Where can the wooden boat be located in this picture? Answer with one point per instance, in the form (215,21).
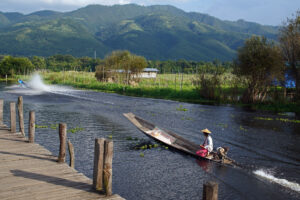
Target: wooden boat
(173,140)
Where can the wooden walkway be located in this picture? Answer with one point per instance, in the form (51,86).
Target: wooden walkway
(29,171)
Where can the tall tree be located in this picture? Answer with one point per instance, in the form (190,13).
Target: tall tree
(121,63)
(260,62)
(38,62)
(290,44)
(15,65)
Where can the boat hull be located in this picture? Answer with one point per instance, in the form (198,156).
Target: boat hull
(172,140)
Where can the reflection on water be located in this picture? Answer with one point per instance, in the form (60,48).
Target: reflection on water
(161,173)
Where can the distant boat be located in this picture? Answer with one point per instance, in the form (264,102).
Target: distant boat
(173,140)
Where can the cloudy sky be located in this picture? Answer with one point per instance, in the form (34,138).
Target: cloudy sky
(272,12)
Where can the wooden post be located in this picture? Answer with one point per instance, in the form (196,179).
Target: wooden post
(1,111)
(181,82)
(210,191)
(175,81)
(13,117)
(98,164)
(107,171)
(62,139)
(31,128)
(72,155)
(21,116)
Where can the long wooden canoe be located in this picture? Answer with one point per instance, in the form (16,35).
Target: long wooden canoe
(171,139)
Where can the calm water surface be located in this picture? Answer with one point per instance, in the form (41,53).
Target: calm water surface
(268,150)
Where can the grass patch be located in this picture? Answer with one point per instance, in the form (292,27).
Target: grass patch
(164,87)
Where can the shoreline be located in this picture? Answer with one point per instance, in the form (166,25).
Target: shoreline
(185,95)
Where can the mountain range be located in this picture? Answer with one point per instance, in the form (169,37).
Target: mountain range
(156,32)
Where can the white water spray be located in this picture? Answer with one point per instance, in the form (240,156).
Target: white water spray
(37,83)
(283,182)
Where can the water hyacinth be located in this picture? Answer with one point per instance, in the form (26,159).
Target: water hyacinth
(181,108)
(74,130)
(41,126)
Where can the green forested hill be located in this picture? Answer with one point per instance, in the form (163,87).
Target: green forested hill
(156,32)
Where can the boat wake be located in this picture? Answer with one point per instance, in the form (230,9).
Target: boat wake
(283,182)
(36,86)
(36,83)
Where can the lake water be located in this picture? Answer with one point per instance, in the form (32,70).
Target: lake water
(267,150)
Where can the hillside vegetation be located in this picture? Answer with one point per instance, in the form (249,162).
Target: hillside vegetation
(156,32)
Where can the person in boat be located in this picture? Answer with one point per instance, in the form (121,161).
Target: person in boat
(207,145)
(22,83)
(222,152)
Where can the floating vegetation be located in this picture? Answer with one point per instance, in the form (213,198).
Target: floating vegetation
(41,126)
(242,128)
(144,145)
(223,125)
(186,118)
(282,114)
(279,119)
(109,136)
(202,110)
(288,120)
(74,130)
(142,154)
(264,118)
(166,147)
(232,116)
(132,138)
(181,108)
(54,126)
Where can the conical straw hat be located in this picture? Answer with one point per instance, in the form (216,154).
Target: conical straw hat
(206,131)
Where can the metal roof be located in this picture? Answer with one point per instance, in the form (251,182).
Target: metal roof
(150,70)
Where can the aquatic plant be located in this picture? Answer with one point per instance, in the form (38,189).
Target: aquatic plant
(223,125)
(132,138)
(186,118)
(41,126)
(109,136)
(142,154)
(279,119)
(74,130)
(242,128)
(54,126)
(283,114)
(264,118)
(181,108)
(288,120)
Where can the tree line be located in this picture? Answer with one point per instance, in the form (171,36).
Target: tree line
(10,65)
